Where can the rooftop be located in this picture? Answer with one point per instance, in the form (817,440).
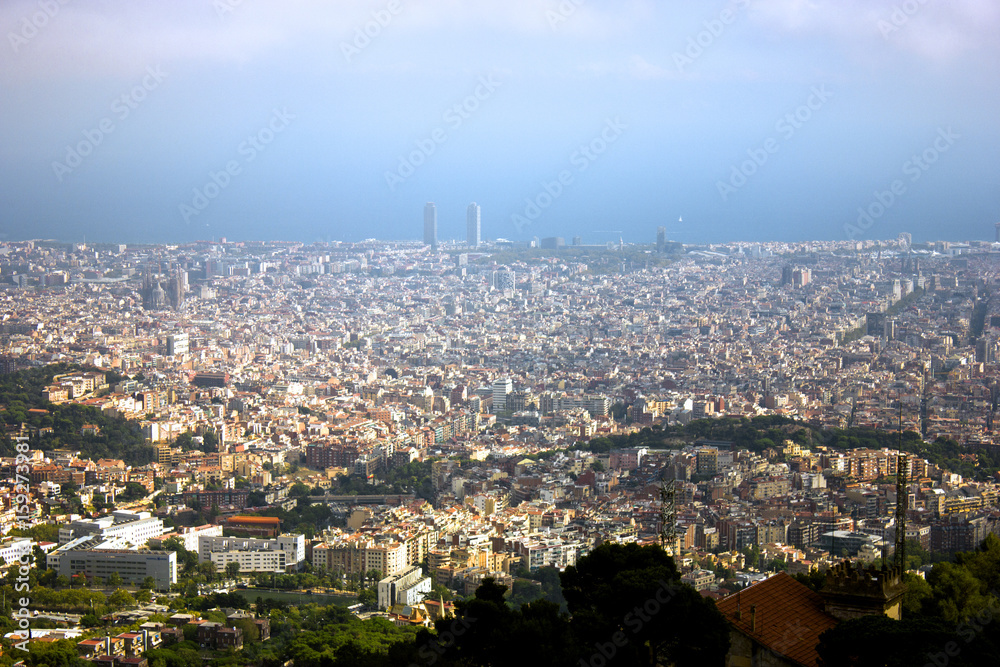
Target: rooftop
(788,618)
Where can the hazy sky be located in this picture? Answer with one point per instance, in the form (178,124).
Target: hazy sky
(334,120)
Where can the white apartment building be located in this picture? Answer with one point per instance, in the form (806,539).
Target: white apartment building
(408,586)
(188,536)
(133,527)
(14,548)
(281,554)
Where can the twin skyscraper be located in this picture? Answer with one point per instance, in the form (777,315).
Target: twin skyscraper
(473,225)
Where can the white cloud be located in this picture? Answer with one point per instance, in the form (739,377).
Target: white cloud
(937,31)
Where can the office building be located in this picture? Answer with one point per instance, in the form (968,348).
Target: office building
(178,344)
(473,226)
(132,566)
(786,275)
(661,239)
(430,225)
(501,389)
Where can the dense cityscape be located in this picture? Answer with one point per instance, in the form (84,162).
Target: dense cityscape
(396,427)
(454,333)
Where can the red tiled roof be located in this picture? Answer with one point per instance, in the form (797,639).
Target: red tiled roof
(789,617)
(255,519)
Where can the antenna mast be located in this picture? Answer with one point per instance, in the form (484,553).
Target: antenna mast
(902,500)
(668,517)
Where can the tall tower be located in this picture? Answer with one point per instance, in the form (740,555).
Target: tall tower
(998,231)
(473,226)
(661,239)
(668,518)
(431,225)
(501,389)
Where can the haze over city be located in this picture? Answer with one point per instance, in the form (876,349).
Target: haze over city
(306,120)
(574,333)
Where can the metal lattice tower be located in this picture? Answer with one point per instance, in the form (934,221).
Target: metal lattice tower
(668,517)
(902,502)
(902,499)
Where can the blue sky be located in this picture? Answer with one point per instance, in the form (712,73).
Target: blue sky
(754,120)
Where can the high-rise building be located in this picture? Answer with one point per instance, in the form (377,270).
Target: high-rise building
(430,225)
(178,344)
(473,226)
(786,275)
(501,388)
(661,239)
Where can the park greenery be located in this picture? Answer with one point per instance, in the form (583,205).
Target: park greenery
(61,425)
(764,432)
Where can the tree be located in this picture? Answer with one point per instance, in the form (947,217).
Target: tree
(134,491)
(121,598)
(187,559)
(637,591)
(211,441)
(957,593)
(115,579)
(879,641)
(299,490)
(368,597)
(486,631)
(207,570)
(233,569)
